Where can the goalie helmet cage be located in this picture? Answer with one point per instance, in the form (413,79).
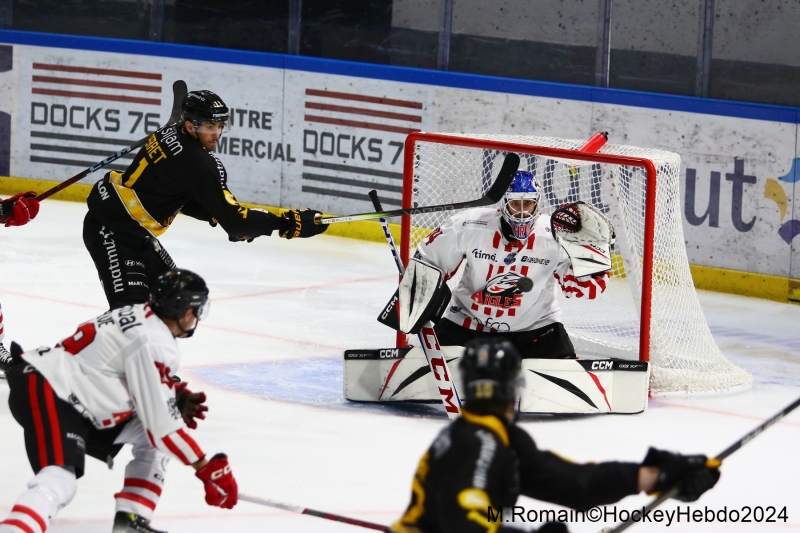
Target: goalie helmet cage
(650,310)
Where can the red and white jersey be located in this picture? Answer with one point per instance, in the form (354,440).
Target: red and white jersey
(487,297)
(117,365)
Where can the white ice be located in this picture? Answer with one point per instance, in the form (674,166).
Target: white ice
(269,359)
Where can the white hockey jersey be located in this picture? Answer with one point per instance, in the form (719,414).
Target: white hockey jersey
(117,365)
(487,297)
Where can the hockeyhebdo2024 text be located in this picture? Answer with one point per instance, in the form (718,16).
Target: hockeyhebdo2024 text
(681,514)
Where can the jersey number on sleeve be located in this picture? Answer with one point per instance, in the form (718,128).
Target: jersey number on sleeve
(82,338)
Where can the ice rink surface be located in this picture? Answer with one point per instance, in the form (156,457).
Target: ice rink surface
(269,359)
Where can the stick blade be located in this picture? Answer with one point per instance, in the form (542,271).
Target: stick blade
(504,178)
(179,90)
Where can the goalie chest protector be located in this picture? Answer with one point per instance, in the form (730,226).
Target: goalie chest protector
(487,297)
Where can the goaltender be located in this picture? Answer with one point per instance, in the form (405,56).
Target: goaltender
(483,461)
(176,171)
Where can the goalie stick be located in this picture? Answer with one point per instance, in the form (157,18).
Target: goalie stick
(427,336)
(713,462)
(311,512)
(492,196)
(179,91)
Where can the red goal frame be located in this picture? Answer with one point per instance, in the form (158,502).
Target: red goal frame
(650,204)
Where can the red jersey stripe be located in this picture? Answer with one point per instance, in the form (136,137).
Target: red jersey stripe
(175,450)
(496,240)
(191,442)
(467,323)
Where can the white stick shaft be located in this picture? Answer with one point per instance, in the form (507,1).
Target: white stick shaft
(430,345)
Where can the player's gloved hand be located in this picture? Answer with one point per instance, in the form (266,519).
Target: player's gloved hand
(22,208)
(190,404)
(692,474)
(301,224)
(217,478)
(567,218)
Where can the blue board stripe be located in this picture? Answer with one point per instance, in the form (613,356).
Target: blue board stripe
(726,108)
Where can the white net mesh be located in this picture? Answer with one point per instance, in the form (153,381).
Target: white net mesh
(683,354)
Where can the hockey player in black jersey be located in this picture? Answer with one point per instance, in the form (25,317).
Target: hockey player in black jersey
(484,461)
(175,172)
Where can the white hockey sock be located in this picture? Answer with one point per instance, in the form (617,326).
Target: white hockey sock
(50,490)
(144,480)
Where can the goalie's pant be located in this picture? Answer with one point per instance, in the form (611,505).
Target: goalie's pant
(127,264)
(57,440)
(548,342)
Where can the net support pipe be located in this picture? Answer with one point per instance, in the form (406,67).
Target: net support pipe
(557,153)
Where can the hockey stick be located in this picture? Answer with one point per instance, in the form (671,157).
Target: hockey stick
(711,462)
(492,196)
(179,91)
(427,336)
(311,512)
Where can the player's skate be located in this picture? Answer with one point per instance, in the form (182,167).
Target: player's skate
(5,361)
(132,523)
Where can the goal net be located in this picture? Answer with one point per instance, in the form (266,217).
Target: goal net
(650,310)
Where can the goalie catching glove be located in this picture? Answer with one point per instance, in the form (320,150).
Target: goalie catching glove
(301,224)
(691,474)
(421,297)
(586,234)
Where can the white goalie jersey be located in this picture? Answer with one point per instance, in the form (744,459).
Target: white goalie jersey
(117,365)
(487,297)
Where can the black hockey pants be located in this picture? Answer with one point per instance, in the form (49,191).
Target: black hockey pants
(548,342)
(127,264)
(55,433)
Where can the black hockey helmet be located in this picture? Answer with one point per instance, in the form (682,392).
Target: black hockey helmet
(204,106)
(491,370)
(176,291)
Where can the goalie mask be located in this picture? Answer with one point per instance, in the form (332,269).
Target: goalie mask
(491,370)
(521,204)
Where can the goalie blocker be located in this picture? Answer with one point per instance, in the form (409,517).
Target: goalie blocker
(552,386)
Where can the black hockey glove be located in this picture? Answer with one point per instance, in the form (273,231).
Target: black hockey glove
(301,224)
(692,474)
(190,404)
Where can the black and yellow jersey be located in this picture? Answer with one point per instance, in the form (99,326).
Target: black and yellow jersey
(174,173)
(479,461)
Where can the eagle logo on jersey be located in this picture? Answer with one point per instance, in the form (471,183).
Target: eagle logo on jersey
(500,291)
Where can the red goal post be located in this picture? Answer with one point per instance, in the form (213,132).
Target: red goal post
(442,168)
